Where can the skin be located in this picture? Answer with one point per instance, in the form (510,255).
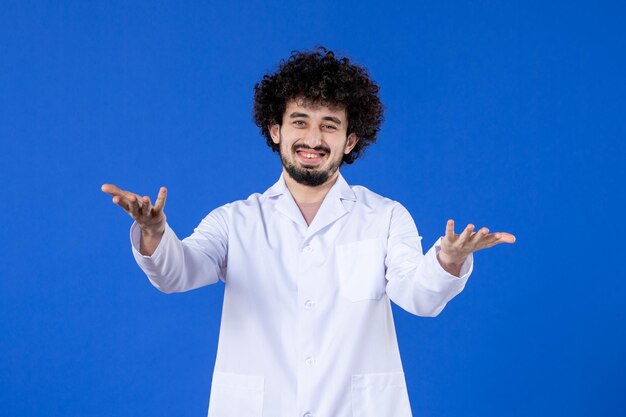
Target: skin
(456,248)
(307,128)
(150,218)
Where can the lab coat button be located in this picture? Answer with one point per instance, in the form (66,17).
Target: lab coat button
(310,361)
(309,304)
(308,248)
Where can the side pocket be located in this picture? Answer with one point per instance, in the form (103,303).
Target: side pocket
(361,269)
(234,395)
(375,395)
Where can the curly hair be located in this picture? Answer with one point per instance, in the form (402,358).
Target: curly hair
(320,78)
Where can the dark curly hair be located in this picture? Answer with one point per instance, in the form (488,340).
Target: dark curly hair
(321,78)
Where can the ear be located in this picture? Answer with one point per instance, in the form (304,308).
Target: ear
(351,143)
(274,132)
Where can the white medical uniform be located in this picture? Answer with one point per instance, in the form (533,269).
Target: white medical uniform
(307,328)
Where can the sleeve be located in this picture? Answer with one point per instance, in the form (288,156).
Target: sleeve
(196,261)
(417,282)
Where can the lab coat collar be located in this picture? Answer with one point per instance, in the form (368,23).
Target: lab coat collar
(336,204)
(340,189)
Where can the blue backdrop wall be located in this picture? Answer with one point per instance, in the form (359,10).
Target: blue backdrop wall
(509,115)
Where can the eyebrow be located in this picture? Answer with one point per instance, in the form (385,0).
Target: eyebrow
(304,115)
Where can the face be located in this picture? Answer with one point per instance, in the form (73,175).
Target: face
(313,140)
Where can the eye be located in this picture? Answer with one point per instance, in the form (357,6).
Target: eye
(330,127)
(299,123)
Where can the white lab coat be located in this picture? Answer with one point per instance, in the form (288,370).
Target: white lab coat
(307,328)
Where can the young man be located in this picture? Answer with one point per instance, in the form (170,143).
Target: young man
(310,265)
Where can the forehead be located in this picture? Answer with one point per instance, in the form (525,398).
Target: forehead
(313,109)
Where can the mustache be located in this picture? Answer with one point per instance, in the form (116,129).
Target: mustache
(319,148)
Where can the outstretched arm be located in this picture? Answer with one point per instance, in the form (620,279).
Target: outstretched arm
(171,264)
(423,284)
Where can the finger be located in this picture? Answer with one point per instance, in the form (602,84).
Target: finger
(133,205)
(145,205)
(496,239)
(139,200)
(122,203)
(111,189)
(115,191)
(504,237)
(466,233)
(450,229)
(160,202)
(127,197)
(478,236)
(130,196)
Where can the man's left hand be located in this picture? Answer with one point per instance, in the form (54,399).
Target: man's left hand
(456,248)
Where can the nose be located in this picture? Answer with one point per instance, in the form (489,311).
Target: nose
(313,137)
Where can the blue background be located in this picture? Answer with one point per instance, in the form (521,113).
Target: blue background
(509,115)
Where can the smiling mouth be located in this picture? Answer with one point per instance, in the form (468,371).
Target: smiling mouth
(310,157)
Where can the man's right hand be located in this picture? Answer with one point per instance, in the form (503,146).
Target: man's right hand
(151,219)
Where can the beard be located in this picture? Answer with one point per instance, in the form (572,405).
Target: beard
(312,176)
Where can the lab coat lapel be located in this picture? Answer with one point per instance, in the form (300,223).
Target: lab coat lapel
(285,203)
(336,204)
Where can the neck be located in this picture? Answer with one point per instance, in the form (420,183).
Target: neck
(304,194)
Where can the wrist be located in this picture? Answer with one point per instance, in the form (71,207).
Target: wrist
(449,264)
(450,260)
(152,230)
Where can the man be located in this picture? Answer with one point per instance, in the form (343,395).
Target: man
(309,266)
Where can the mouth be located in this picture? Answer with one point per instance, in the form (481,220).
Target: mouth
(310,157)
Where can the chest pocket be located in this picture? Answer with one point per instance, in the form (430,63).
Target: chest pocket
(361,268)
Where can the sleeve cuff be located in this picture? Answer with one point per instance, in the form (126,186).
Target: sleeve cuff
(135,238)
(442,279)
